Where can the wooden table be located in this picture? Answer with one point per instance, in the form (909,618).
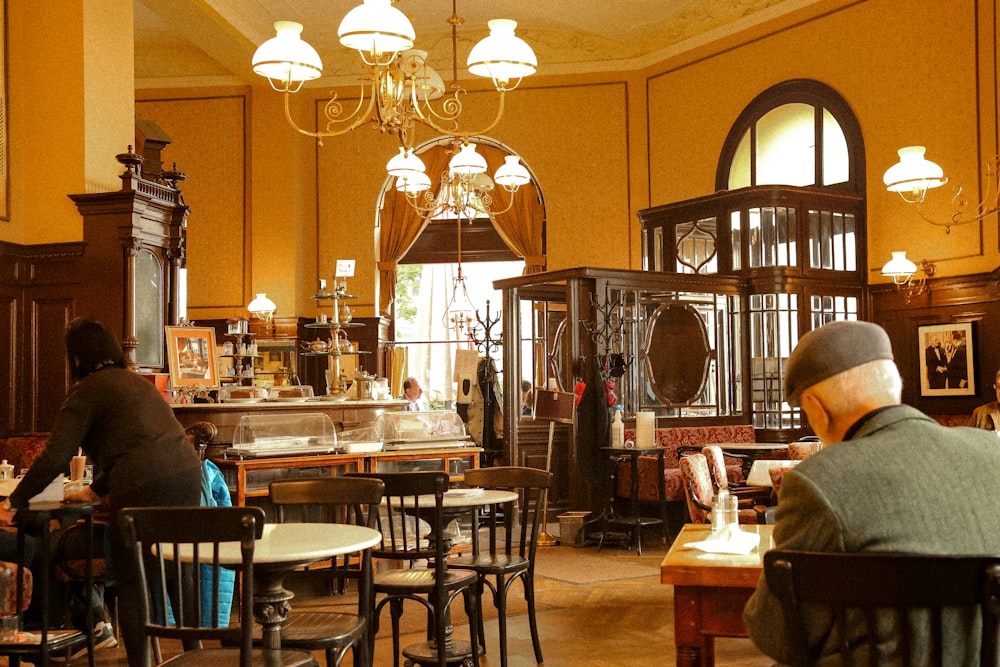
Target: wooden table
(710,591)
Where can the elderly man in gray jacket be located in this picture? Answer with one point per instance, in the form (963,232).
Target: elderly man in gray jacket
(889,479)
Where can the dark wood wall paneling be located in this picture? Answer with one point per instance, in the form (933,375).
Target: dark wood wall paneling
(39,290)
(972,298)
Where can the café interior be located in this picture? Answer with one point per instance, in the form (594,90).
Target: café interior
(676,193)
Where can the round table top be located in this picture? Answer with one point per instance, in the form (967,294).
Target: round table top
(297,543)
(474,497)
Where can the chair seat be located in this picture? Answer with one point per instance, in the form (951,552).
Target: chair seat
(419,580)
(486,564)
(317,630)
(215,657)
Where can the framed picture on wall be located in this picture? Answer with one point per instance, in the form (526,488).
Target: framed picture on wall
(191,356)
(947,360)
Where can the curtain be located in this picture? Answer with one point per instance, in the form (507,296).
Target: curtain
(399,228)
(520,228)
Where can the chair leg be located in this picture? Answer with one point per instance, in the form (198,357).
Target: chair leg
(395,611)
(500,602)
(529,597)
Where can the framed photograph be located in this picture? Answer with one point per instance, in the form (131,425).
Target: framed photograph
(947,360)
(191,356)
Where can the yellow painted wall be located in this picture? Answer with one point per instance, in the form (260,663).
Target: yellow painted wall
(69,106)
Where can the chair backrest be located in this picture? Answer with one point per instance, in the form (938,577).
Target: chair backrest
(798,451)
(697,486)
(151,530)
(872,599)
(412,510)
(532,485)
(716,466)
(353,500)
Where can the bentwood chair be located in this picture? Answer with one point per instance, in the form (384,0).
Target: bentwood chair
(511,546)
(888,608)
(149,532)
(352,500)
(413,538)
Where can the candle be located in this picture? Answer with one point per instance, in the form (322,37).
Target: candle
(645,429)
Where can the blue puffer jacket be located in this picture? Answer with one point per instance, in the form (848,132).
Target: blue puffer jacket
(214,493)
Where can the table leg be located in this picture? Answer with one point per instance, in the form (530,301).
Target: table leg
(688,637)
(271,604)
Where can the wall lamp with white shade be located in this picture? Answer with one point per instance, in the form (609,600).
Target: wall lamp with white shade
(914,175)
(903,272)
(264,309)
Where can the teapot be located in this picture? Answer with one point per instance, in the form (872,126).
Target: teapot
(318,345)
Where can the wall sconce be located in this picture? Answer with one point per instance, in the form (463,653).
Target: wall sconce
(264,309)
(902,272)
(914,175)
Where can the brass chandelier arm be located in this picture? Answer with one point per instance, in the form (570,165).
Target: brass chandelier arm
(964,211)
(451,109)
(331,111)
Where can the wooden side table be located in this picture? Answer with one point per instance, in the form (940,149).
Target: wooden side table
(634,521)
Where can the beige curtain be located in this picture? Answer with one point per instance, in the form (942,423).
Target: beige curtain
(400,226)
(520,227)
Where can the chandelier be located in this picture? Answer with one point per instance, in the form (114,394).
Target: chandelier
(914,175)
(397,86)
(460,314)
(464,189)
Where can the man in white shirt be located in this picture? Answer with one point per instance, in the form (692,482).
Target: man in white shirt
(414,394)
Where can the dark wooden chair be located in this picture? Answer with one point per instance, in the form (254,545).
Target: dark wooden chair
(148,531)
(352,500)
(889,608)
(510,555)
(413,535)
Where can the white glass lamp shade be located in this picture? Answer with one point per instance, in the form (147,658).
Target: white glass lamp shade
(262,306)
(913,175)
(376,29)
(467,162)
(286,60)
(404,163)
(512,174)
(502,56)
(425,79)
(413,182)
(899,268)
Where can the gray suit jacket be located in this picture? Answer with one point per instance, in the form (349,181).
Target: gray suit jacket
(902,483)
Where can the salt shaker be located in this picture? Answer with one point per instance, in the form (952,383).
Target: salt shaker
(719,505)
(6,470)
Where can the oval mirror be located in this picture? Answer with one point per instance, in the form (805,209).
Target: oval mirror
(677,355)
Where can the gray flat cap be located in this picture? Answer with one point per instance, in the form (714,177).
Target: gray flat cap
(832,349)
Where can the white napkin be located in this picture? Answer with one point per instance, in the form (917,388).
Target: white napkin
(729,540)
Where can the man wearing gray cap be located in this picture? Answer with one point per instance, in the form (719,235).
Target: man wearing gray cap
(889,478)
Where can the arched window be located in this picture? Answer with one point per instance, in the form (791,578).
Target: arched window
(788,218)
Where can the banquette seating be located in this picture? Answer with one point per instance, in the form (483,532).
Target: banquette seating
(674,440)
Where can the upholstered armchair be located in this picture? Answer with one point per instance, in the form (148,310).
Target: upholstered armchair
(749,496)
(699,492)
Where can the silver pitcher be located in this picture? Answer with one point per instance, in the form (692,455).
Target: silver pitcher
(365,384)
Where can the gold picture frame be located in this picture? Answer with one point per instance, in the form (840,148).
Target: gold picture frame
(191,356)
